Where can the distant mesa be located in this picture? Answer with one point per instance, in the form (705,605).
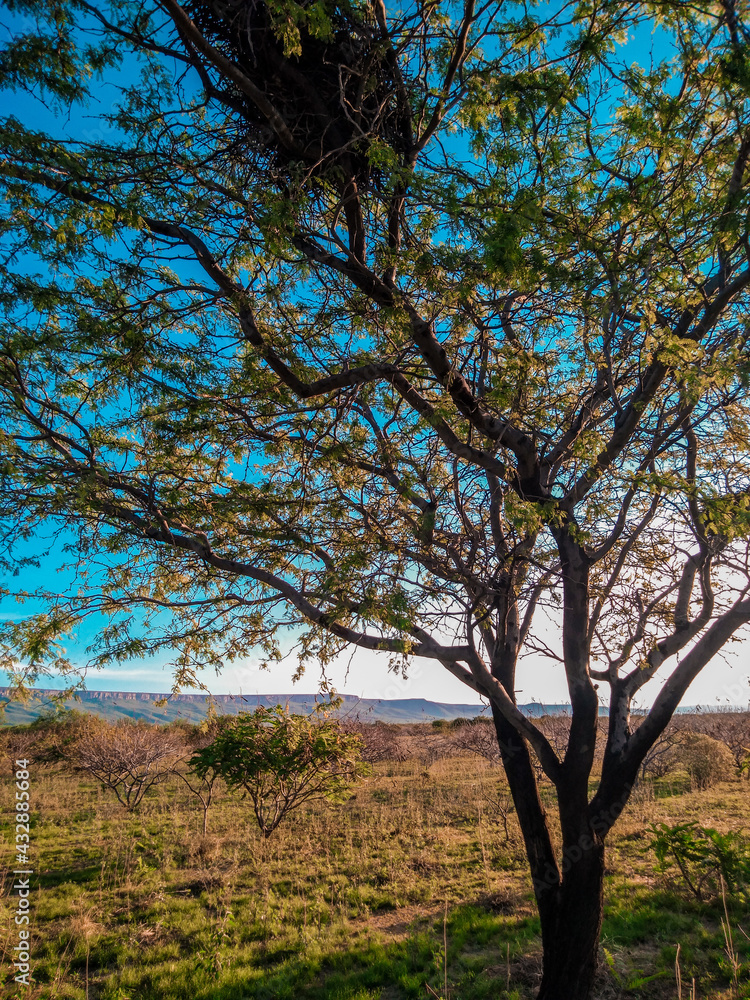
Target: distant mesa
(113,705)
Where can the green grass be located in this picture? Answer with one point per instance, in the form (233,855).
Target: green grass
(342,902)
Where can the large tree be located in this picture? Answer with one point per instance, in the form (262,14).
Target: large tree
(420,330)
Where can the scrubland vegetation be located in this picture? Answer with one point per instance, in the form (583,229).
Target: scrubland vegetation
(414,884)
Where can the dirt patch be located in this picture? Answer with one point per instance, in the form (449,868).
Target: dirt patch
(398,923)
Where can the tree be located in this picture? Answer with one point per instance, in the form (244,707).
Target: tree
(281,761)
(203,789)
(478,737)
(420,330)
(201,786)
(128,758)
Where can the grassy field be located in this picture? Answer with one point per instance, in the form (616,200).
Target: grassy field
(417,881)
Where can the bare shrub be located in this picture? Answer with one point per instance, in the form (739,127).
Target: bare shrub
(680,748)
(128,758)
(197,737)
(18,743)
(502,809)
(380,741)
(478,737)
(42,741)
(429,744)
(398,742)
(557,730)
(663,757)
(202,787)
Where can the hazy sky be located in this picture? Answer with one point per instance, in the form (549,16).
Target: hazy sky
(365,674)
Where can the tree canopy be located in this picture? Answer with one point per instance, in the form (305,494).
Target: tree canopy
(281,761)
(411,329)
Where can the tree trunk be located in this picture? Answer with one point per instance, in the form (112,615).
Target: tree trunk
(569,891)
(569,895)
(568,888)
(571,927)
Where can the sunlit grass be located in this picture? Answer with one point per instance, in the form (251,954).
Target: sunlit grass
(351,901)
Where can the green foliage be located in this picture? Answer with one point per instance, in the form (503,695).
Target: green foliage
(282,760)
(701,857)
(213,959)
(186,454)
(412,330)
(627,982)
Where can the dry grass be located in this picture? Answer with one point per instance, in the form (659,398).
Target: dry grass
(348,902)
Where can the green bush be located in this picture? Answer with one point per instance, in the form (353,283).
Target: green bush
(282,760)
(701,858)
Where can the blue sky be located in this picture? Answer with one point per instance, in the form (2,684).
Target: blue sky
(359,672)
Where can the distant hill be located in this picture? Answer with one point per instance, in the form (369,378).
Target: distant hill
(159,708)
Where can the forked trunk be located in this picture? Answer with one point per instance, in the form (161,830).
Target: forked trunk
(569,892)
(572,924)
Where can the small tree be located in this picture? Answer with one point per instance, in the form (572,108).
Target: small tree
(202,786)
(282,760)
(478,737)
(128,758)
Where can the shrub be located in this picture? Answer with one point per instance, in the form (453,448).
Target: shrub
(282,760)
(705,760)
(128,757)
(434,742)
(46,739)
(557,730)
(730,728)
(701,858)
(380,741)
(478,737)
(16,742)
